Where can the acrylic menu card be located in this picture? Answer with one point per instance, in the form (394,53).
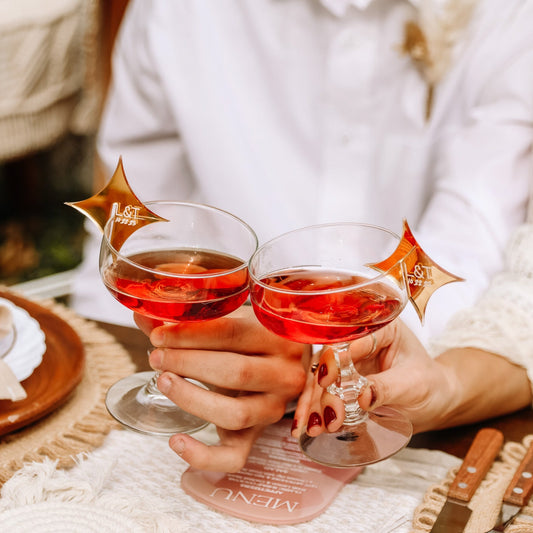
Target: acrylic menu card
(278,485)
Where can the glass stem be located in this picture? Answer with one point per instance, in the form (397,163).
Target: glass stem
(349,385)
(150,392)
(150,395)
(151,387)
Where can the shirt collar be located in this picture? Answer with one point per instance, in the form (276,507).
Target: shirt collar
(339,7)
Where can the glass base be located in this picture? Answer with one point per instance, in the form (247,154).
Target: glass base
(127,402)
(380,435)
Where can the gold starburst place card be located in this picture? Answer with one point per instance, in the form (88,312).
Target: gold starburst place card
(424,276)
(118,202)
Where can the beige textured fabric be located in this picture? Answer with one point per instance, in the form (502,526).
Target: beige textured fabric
(82,423)
(50,83)
(501,320)
(486,502)
(136,478)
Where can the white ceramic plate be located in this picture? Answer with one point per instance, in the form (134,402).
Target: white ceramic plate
(27,352)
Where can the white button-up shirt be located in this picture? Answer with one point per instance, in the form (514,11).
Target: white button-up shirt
(294,112)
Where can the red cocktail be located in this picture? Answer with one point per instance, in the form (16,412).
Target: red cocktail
(193,266)
(316,285)
(179,285)
(321,306)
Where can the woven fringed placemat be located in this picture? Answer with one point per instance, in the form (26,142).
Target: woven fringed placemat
(82,422)
(486,502)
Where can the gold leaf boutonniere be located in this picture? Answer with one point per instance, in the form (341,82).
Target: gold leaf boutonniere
(431,39)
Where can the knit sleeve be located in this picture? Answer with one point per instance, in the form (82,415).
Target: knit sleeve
(502,320)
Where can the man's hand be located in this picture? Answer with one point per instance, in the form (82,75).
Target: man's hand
(251,374)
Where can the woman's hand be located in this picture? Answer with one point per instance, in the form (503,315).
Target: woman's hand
(400,373)
(251,373)
(461,386)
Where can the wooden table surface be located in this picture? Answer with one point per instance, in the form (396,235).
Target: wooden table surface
(455,441)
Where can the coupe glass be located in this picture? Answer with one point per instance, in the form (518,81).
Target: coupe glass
(192,267)
(316,285)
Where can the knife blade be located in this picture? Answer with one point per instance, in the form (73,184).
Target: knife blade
(482,452)
(518,492)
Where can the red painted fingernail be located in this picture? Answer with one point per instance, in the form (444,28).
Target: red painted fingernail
(314,420)
(329,415)
(322,371)
(294,425)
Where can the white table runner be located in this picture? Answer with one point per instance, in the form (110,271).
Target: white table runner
(132,484)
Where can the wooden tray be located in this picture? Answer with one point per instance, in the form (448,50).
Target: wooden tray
(54,379)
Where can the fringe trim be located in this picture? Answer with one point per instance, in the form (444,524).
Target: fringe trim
(82,427)
(486,502)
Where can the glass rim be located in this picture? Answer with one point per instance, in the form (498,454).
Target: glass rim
(379,274)
(197,275)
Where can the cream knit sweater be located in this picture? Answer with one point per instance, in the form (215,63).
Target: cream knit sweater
(50,83)
(502,320)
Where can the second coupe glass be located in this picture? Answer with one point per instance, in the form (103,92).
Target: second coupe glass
(316,285)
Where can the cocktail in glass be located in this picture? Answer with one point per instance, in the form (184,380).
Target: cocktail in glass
(192,266)
(317,285)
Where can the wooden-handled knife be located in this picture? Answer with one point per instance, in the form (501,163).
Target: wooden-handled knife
(518,492)
(482,452)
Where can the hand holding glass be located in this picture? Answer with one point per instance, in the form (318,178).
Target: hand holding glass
(191,267)
(315,285)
